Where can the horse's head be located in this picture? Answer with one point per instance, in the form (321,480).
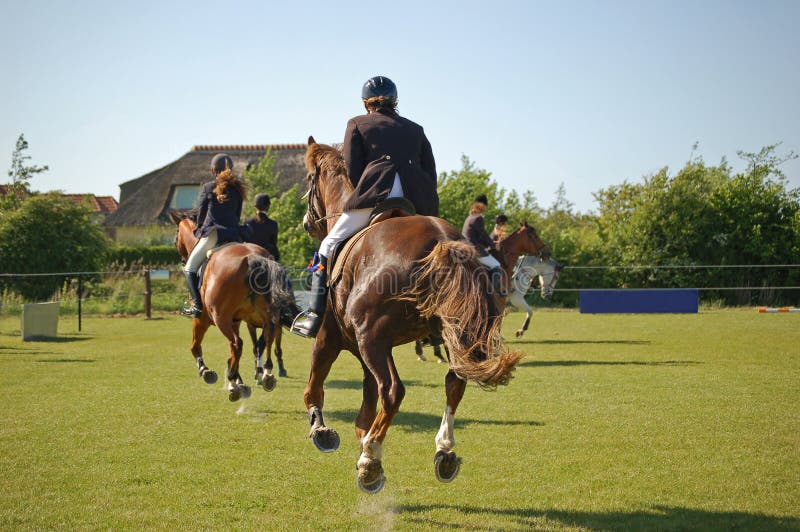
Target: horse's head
(184,237)
(328,188)
(524,241)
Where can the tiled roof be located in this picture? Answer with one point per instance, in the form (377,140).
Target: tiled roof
(145,200)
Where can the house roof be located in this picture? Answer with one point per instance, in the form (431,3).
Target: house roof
(100,204)
(145,200)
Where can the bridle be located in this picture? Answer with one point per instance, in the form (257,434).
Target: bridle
(313,216)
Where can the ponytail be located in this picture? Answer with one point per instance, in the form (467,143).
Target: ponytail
(225,180)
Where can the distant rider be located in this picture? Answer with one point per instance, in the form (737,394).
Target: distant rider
(220,207)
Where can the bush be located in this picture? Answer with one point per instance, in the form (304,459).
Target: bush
(147,256)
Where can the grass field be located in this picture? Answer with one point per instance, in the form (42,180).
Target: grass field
(662,422)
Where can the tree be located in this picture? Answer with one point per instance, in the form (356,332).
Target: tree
(457,191)
(21,174)
(295,245)
(72,240)
(261,179)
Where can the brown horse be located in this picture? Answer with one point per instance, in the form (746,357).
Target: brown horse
(241,283)
(405,278)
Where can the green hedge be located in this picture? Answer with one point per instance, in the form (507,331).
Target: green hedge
(147,256)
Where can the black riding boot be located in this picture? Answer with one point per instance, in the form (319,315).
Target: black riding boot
(496,275)
(307,323)
(196,307)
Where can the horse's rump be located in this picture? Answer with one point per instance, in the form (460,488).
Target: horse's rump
(420,263)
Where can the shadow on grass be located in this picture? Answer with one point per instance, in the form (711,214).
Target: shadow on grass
(658,518)
(357,384)
(572,342)
(59,339)
(420,421)
(549,363)
(63,360)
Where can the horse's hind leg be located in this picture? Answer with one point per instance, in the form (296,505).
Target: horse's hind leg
(326,349)
(446,463)
(236,387)
(199,327)
(377,356)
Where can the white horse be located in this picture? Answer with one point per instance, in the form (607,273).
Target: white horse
(528,267)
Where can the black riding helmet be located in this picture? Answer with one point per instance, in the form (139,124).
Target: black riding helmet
(379,86)
(220,162)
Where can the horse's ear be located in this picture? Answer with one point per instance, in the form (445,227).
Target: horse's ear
(175,217)
(311,140)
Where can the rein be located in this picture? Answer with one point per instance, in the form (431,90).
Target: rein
(313,215)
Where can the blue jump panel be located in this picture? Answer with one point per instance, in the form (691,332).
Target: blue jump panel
(678,300)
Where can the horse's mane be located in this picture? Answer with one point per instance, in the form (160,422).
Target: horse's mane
(329,159)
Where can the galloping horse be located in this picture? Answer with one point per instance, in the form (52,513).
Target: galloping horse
(525,240)
(527,268)
(404,278)
(241,283)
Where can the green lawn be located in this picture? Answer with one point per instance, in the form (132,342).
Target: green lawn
(662,422)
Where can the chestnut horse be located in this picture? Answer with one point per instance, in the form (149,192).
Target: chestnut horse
(404,279)
(241,283)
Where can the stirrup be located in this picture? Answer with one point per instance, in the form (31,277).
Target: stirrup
(307,332)
(190,310)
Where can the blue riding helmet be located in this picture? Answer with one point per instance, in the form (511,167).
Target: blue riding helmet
(379,86)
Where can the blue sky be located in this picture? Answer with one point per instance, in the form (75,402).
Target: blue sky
(584,93)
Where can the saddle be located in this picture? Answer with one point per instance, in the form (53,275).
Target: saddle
(391,208)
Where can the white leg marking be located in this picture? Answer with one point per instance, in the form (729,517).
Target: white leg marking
(446,438)
(370,450)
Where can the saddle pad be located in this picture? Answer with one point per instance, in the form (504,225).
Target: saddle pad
(215,249)
(341,257)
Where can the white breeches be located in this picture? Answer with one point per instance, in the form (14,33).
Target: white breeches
(198,254)
(351,222)
(489,261)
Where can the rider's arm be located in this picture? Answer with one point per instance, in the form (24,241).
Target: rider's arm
(353,152)
(202,206)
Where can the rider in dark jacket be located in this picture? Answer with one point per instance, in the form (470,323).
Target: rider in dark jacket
(387,156)
(220,205)
(261,229)
(474,230)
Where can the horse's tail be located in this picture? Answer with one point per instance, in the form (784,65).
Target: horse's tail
(269,279)
(450,283)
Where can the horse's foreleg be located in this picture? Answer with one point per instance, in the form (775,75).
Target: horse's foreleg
(418,351)
(518,300)
(257,351)
(267,379)
(326,349)
(199,327)
(278,351)
(446,463)
(377,356)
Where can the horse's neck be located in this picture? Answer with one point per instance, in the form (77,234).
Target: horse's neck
(511,252)
(334,197)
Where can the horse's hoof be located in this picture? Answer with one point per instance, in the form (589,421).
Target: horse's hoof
(282,373)
(519,334)
(325,439)
(446,465)
(370,477)
(234,394)
(268,382)
(245,391)
(209,376)
(371,488)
